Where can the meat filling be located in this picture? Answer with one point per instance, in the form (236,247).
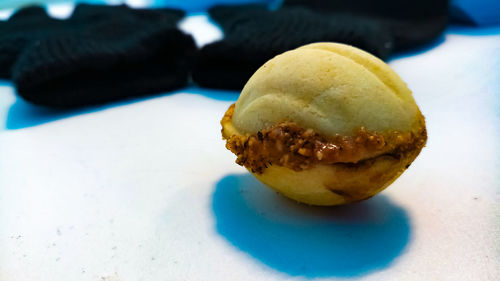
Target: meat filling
(287,144)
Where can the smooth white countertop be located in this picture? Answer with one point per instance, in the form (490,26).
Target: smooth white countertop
(145,189)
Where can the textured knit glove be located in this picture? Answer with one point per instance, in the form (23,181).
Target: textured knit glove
(23,27)
(253,35)
(411,23)
(100,54)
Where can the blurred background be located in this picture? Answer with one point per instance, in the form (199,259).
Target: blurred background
(188,5)
(479,12)
(232,38)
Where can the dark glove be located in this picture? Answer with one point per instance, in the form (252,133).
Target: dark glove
(411,23)
(99,54)
(23,27)
(253,35)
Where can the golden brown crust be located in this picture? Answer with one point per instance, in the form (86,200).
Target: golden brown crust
(288,145)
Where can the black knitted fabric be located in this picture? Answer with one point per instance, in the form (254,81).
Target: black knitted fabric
(411,23)
(253,35)
(99,54)
(24,26)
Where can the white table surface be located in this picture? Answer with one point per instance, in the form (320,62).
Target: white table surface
(145,189)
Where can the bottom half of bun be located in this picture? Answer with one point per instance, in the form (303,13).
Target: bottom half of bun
(337,184)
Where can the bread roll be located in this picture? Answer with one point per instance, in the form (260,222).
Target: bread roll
(325,124)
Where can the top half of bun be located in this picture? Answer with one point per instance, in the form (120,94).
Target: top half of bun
(331,88)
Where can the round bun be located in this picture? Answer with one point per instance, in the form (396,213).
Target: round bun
(325,124)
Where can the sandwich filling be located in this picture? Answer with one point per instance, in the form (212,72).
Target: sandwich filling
(289,145)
